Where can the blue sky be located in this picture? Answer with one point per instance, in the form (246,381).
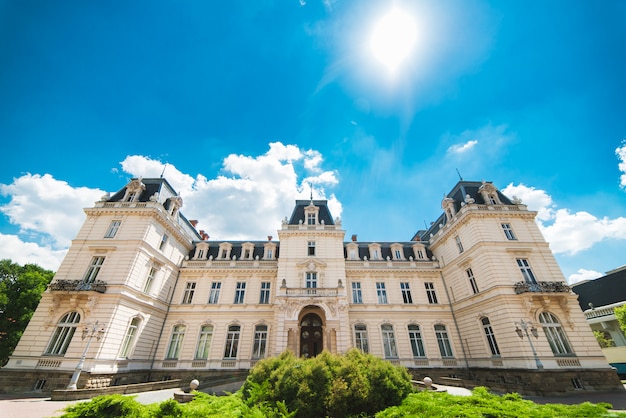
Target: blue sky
(249,102)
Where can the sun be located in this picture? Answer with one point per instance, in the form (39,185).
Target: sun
(393,39)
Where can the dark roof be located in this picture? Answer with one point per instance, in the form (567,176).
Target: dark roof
(458,194)
(606,290)
(259,248)
(324,213)
(153,185)
(385,249)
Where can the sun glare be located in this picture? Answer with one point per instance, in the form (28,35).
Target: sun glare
(393,39)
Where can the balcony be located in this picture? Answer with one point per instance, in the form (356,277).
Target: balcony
(541,287)
(314,291)
(78,285)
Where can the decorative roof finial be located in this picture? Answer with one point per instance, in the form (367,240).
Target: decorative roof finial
(311,187)
(457,171)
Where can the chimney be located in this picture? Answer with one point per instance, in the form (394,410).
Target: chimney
(269,237)
(354,238)
(204,235)
(193,222)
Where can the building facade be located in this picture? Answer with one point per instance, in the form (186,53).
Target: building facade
(598,299)
(476,297)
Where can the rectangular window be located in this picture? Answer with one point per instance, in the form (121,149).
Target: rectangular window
(443,341)
(459,244)
(311,247)
(420,254)
(398,254)
(430,292)
(265,293)
(93,270)
(164,239)
(524,267)
(149,280)
(260,342)
(310,218)
(508,232)
(389,341)
(491,337)
(190,289)
(417,344)
(360,338)
(113,227)
(406,292)
(268,254)
(215,292)
(240,292)
(127,343)
(204,342)
(356,292)
(472,280)
(176,342)
(232,342)
(381,292)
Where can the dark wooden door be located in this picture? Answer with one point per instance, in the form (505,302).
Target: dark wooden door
(311,340)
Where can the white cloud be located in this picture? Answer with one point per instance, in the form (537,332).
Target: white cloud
(253,193)
(247,201)
(22,252)
(567,232)
(583,275)
(461,148)
(621,155)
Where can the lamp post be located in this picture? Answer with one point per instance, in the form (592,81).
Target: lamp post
(90,331)
(521,328)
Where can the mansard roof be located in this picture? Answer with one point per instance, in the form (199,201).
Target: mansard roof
(236,246)
(385,249)
(152,186)
(604,291)
(463,191)
(324,213)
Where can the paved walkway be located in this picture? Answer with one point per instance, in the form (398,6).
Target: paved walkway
(32,406)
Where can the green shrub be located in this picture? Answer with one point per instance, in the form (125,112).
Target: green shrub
(354,384)
(108,406)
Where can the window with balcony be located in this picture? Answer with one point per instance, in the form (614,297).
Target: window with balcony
(360,338)
(491,337)
(129,339)
(356,293)
(93,270)
(63,334)
(555,334)
(190,289)
(214,296)
(260,342)
(204,342)
(240,292)
(406,292)
(526,271)
(264,298)
(232,342)
(443,341)
(311,280)
(389,341)
(430,293)
(113,227)
(176,342)
(417,344)
(381,292)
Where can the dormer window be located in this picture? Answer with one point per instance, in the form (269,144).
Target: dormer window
(489,193)
(247,251)
(134,190)
(375,252)
(202,251)
(397,252)
(130,197)
(311,213)
(224,251)
(310,219)
(419,251)
(269,251)
(175,203)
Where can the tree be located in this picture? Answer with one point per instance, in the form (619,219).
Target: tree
(21,288)
(620,314)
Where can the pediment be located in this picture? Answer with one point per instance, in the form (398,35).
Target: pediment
(311,264)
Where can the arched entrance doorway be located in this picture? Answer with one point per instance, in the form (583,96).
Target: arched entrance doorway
(311,336)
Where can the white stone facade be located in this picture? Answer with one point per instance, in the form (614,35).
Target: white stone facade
(448,302)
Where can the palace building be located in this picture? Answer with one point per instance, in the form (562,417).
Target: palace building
(477,298)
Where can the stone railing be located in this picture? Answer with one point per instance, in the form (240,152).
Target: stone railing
(542,287)
(314,291)
(78,285)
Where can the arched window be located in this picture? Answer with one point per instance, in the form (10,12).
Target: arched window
(389,341)
(129,339)
(555,334)
(491,337)
(63,334)
(232,342)
(417,344)
(445,348)
(204,342)
(260,341)
(360,338)
(176,342)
